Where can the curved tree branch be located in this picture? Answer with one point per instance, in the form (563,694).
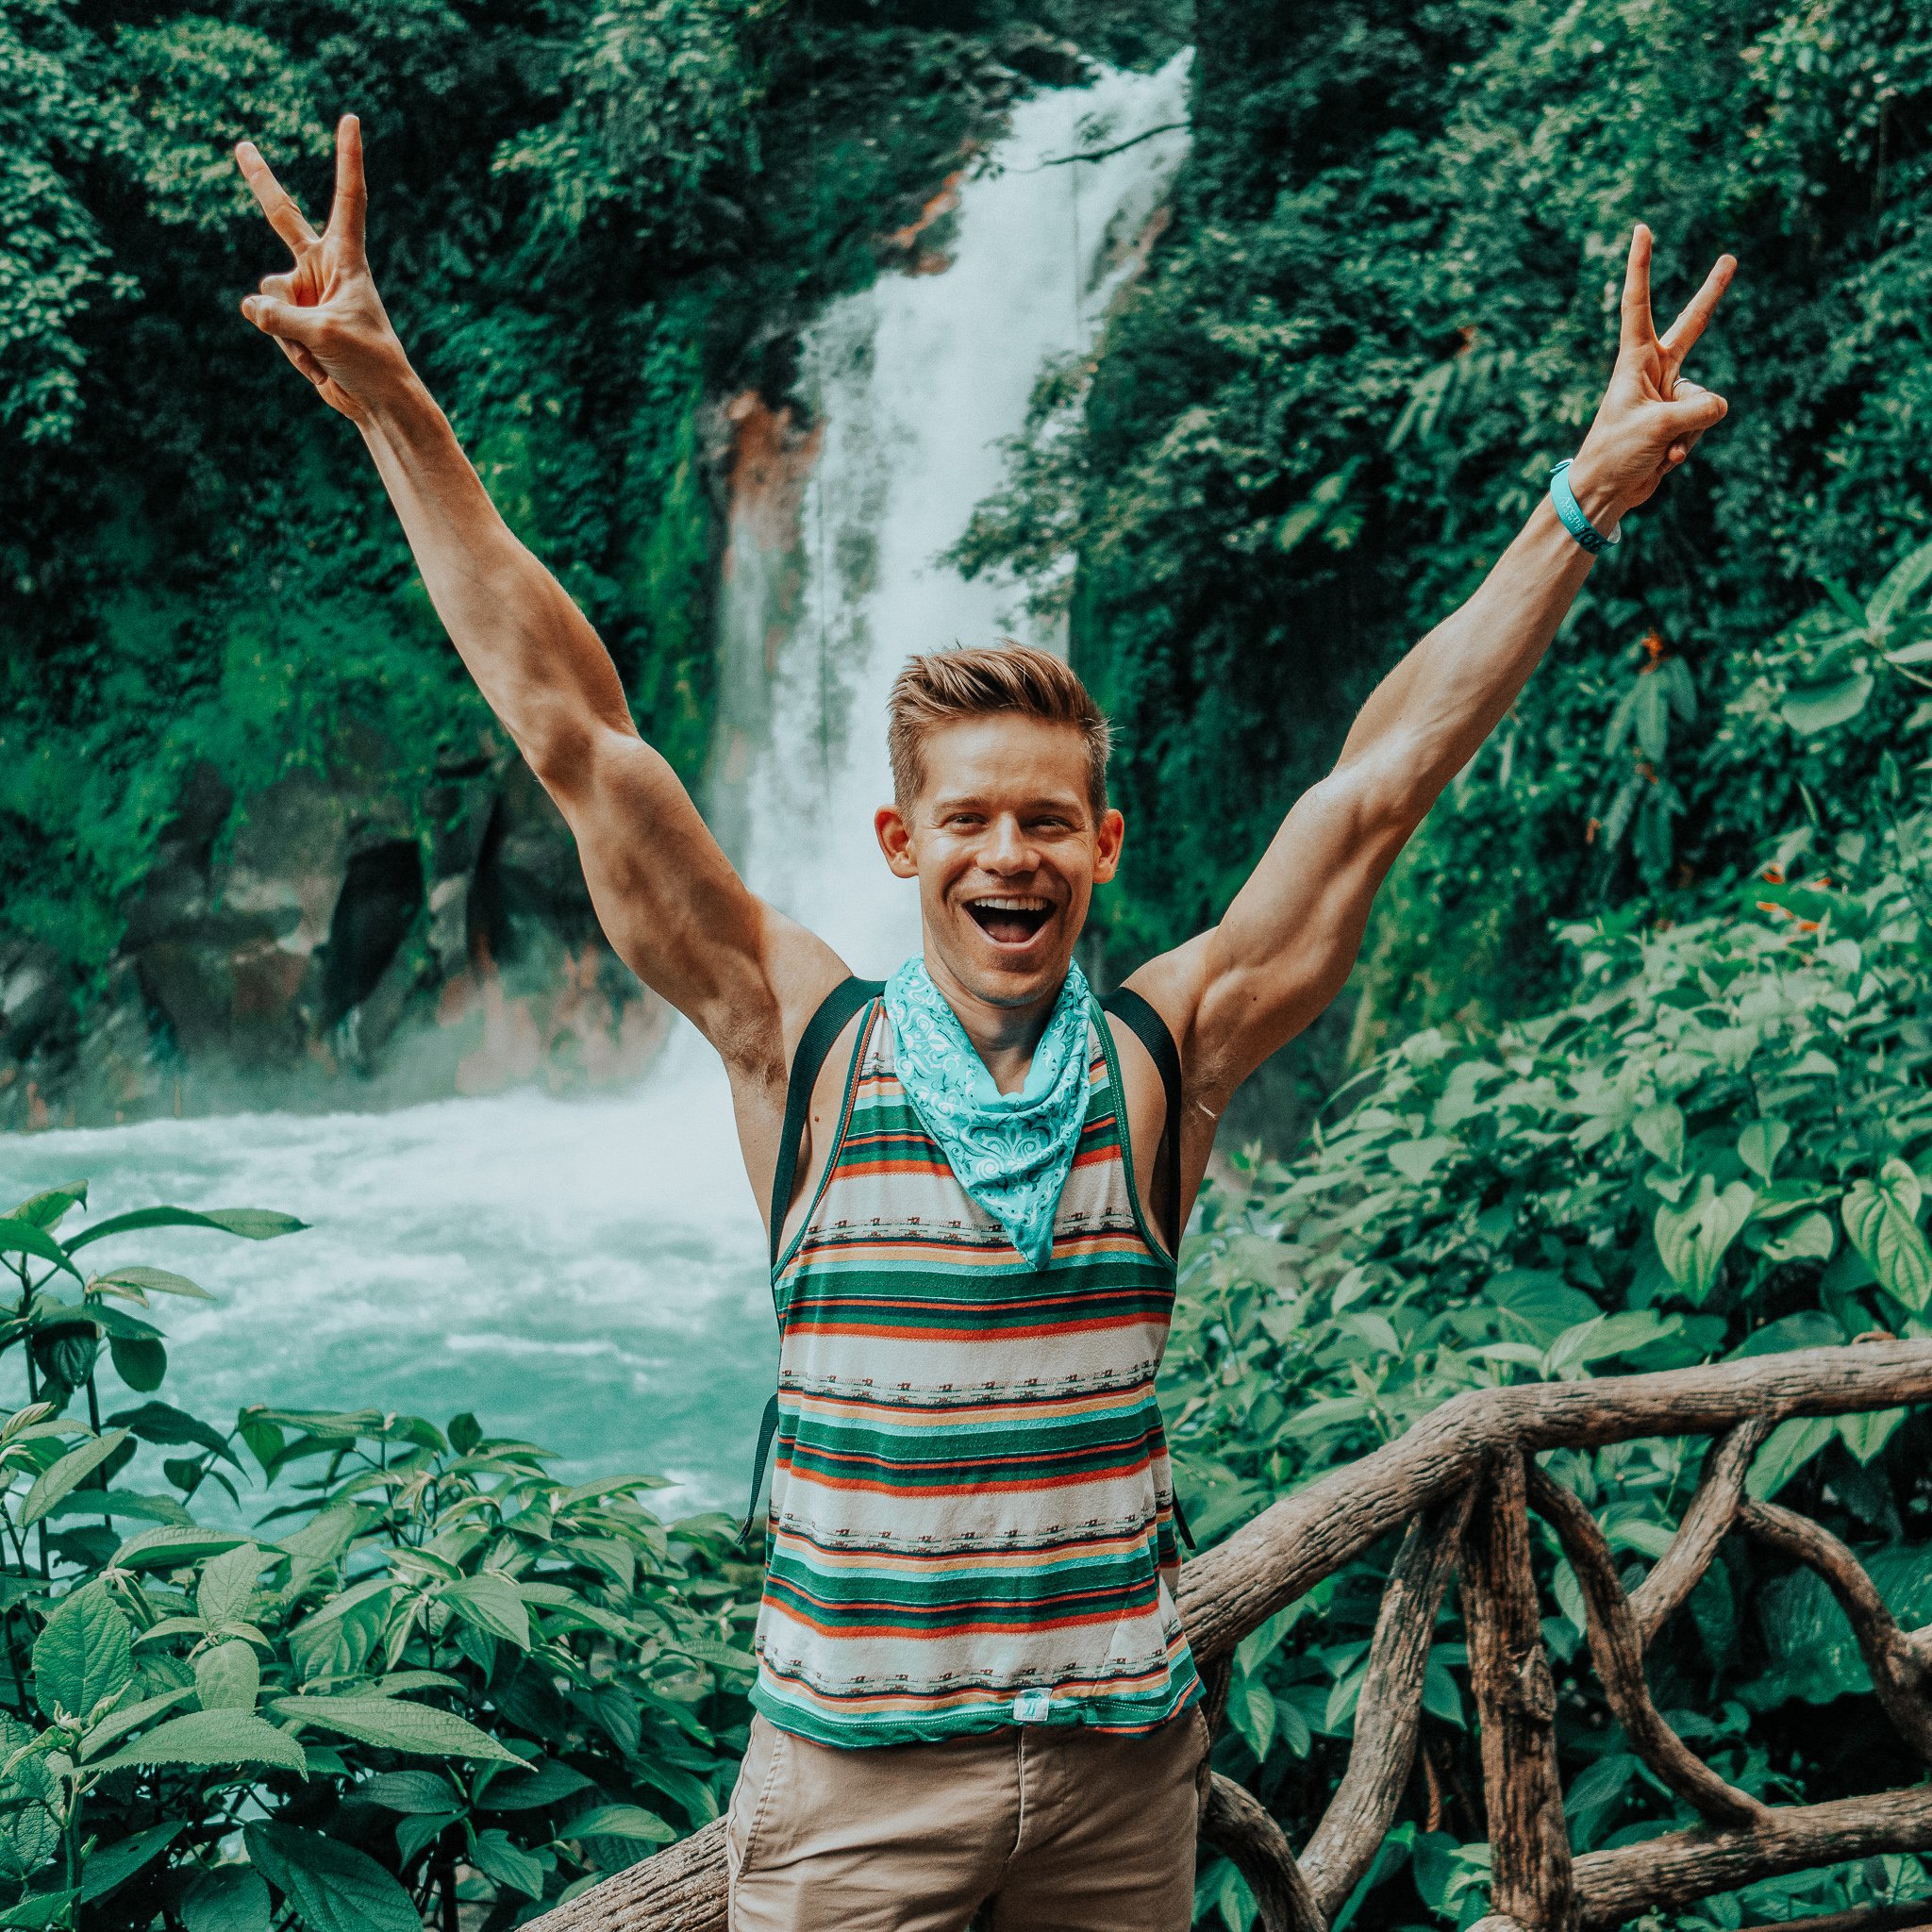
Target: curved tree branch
(1285,1551)
(1662,1874)
(1288,1548)
(1617,1650)
(1720,1489)
(682,1888)
(1389,1710)
(1234,1821)
(1898,1671)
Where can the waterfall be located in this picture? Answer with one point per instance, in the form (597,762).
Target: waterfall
(912,384)
(589,1273)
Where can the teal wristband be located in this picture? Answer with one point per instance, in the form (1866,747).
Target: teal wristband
(1571,512)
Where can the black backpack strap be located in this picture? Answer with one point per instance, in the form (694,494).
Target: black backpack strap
(835,1012)
(1152,1031)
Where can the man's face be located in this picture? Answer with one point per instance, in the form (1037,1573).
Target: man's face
(1007,851)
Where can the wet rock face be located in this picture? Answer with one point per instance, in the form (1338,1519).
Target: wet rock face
(377,904)
(315,947)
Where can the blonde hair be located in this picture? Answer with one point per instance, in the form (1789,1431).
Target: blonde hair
(984,681)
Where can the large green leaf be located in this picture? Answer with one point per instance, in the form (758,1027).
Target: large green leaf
(68,1474)
(1811,708)
(547,1783)
(489,1600)
(169,1545)
(1693,1239)
(92,1318)
(152,1281)
(140,1361)
(1866,1435)
(19,1237)
(417,1794)
(1902,584)
(84,1654)
(226,1588)
(117,1863)
(1786,1451)
(1809,1238)
(212,1737)
(46,1209)
(396,1724)
(496,1856)
(1760,1143)
(231,1898)
(252,1224)
(227,1676)
(333,1887)
(1880,1217)
(38,1911)
(162,1423)
(29,1820)
(130,1717)
(621,1821)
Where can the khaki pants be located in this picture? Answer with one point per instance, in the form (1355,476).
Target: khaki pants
(1057,1829)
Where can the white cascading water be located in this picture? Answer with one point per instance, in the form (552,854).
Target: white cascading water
(589,1273)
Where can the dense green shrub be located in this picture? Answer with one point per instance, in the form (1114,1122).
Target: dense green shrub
(433,1673)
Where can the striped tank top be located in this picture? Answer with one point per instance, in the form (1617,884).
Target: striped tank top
(971,1522)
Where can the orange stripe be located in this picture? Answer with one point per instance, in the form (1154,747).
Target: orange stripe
(908,1493)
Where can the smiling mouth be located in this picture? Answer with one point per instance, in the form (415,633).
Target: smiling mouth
(1010,921)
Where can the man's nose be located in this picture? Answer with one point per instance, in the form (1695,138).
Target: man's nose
(1006,848)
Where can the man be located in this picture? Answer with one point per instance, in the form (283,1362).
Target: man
(974,1688)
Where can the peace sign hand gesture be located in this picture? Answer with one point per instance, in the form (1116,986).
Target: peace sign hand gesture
(1650,417)
(324,311)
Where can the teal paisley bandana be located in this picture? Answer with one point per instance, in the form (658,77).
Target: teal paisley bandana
(1012,1152)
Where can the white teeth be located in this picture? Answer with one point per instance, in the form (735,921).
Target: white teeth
(1025,905)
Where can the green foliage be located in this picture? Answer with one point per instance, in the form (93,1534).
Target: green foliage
(433,1658)
(1717,1146)
(1385,307)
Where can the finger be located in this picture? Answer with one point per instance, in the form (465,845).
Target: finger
(352,193)
(277,203)
(282,287)
(1636,331)
(1677,340)
(1691,411)
(285,321)
(306,363)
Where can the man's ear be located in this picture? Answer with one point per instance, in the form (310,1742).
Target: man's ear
(895,840)
(1108,841)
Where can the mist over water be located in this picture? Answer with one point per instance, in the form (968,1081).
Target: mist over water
(590,1274)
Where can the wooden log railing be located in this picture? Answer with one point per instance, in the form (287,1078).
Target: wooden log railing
(1464,1481)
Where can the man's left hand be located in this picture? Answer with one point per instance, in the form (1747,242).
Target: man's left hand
(1651,417)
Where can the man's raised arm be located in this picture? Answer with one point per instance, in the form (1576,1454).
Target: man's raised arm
(664,891)
(1288,941)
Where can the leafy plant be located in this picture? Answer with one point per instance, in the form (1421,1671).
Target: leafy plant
(434,1674)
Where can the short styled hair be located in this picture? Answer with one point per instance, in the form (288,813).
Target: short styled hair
(986,682)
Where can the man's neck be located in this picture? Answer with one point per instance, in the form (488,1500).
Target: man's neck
(1004,1037)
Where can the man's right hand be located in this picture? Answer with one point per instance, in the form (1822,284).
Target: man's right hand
(325,312)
